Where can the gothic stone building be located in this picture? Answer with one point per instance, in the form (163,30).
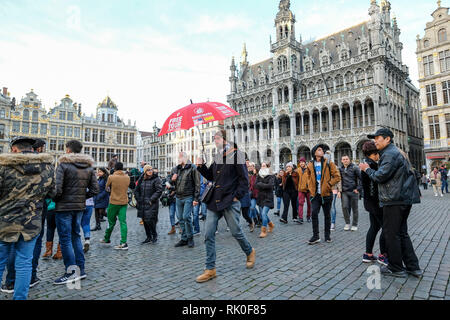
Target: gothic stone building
(334,90)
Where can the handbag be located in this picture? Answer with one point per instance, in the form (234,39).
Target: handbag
(207,194)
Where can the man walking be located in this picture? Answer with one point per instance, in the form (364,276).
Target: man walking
(230,184)
(398,191)
(118,202)
(444,179)
(321,176)
(26,179)
(351,189)
(75,174)
(187,189)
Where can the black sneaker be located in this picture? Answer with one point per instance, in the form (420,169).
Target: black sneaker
(154,240)
(328,240)
(388,272)
(148,240)
(191,242)
(417,273)
(277,213)
(181,243)
(309,220)
(314,240)
(300,221)
(66,278)
(283,221)
(34,281)
(7,288)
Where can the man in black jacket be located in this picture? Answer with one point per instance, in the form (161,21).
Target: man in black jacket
(398,191)
(75,182)
(351,189)
(187,187)
(230,176)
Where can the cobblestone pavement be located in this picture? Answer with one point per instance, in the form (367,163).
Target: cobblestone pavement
(286,267)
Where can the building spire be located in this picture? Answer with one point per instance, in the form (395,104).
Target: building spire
(439,3)
(244,54)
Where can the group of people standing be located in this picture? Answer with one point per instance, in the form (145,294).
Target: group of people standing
(229,187)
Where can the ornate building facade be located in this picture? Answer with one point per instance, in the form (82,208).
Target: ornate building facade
(433,55)
(102,135)
(334,90)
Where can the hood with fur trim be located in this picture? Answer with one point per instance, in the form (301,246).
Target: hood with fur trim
(16,159)
(77,159)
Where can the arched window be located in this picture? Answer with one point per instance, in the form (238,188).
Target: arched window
(285,62)
(426,43)
(26,114)
(339,83)
(281,32)
(349,81)
(360,78)
(35,116)
(442,35)
(286,31)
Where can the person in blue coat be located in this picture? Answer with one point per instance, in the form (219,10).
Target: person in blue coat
(101,201)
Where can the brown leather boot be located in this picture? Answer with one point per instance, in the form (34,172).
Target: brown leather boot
(172,231)
(271,227)
(58,254)
(48,250)
(207,275)
(251,259)
(263,232)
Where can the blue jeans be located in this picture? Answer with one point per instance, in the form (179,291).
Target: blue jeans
(254,213)
(172,213)
(231,215)
(68,226)
(333,209)
(444,186)
(11,275)
(184,214)
(265,216)
(86,222)
(279,199)
(196,212)
(204,209)
(23,264)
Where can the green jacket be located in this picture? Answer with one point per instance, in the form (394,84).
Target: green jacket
(26,180)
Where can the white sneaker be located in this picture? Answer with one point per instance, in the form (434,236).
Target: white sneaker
(435,195)
(333,227)
(442,195)
(347,227)
(354,228)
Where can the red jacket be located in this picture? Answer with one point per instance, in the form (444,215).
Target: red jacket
(253,189)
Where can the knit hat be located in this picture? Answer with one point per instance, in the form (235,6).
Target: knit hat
(147,167)
(324,147)
(302,160)
(290,164)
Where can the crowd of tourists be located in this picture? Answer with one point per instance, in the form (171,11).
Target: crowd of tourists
(36,195)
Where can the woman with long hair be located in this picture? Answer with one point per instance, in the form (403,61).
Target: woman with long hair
(101,200)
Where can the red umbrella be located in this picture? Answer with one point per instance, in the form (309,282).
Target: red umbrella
(196,114)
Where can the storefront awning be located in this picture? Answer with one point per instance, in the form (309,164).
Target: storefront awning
(437,155)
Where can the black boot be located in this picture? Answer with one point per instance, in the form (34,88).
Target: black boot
(97,227)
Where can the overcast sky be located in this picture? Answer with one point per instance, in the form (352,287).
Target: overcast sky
(152,56)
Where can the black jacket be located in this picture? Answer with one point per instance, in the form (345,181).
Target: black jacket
(396,180)
(230,175)
(147,193)
(75,175)
(350,178)
(188,182)
(370,188)
(265,187)
(279,187)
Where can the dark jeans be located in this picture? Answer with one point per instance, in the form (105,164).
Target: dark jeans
(68,225)
(376,224)
(350,203)
(246,215)
(398,244)
(150,228)
(51,226)
(324,203)
(99,214)
(11,275)
(425,186)
(290,197)
(444,186)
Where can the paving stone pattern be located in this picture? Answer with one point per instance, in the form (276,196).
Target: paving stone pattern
(286,267)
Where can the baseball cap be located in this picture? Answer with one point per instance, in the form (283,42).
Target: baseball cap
(381,132)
